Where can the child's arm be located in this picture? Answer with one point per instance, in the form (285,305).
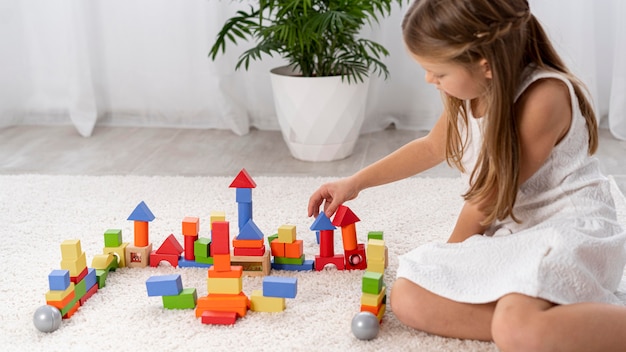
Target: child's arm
(412,158)
(545,114)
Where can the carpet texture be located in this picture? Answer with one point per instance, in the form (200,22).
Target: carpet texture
(39,212)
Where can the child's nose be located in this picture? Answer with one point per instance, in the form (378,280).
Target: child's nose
(430,78)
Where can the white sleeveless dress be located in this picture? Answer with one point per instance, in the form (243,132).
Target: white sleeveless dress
(568,248)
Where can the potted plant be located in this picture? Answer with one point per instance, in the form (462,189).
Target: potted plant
(328,67)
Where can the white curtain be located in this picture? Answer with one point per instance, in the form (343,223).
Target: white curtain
(145,63)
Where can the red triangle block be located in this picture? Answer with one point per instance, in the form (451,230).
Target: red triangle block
(170,246)
(243,180)
(344,217)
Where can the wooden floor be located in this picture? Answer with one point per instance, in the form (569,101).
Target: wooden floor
(60,150)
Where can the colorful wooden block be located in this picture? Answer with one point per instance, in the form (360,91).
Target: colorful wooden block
(71,250)
(277,248)
(186,299)
(141,213)
(287,233)
(191,226)
(369,299)
(238,303)
(59,280)
(77,278)
(225,285)
(253,252)
(372,282)
(138,257)
(307,265)
(275,286)
(376,235)
(291,261)
(75,265)
(119,253)
(190,247)
(170,246)
(216,216)
(254,265)
(239,243)
(202,247)
(141,233)
(104,262)
(243,195)
(222,262)
(244,214)
(112,238)
(58,295)
(164,285)
(235,271)
(356,258)
(260,303)
(220,238)
(218,318)
(243,180)
(337,261)
(294,249)
(156,259)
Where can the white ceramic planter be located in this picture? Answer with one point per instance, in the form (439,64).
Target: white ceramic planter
(320,117)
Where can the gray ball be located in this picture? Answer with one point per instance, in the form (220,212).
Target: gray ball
(365,326)
(47,318)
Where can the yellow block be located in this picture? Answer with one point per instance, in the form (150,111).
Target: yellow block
(228,285)
(376,265)
(374,300)
(381,312)
(216,216)
(119,252)
(375,249)
(70,249)
(260,303)
(287,233)
(102,261)
(58,295)
(75,266)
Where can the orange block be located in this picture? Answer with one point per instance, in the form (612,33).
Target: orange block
(72,311)
(141,234)
(64,302)
(221,262)
(234,272)
(294,249)
(372,309)
(348,236)
(223,303)
(277,248)
(247,243)
(191,226)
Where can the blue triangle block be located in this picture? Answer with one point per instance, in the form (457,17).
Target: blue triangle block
(322,222)
(250,232)
(141,213)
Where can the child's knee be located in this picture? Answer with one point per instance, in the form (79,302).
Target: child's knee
(407,304)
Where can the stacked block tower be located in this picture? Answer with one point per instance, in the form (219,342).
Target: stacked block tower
(74,284)
(272,297)
(354,253)
(225,301)
(327,244)
(169,251)
(170,288)
(138,254)
(288,250)
(113,257)
(249,250)
(374,292)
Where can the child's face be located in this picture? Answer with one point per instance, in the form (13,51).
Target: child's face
(455,79)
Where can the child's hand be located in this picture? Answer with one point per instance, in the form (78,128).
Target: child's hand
(332,195)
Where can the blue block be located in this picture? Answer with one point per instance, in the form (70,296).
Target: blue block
(164,285)
(59,280)
(250,232)
(184,263)
(244,214)
(322,222)
(308,265)
(244,195)
(91,278)
(285,287)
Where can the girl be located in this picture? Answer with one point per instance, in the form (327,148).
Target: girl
(536,253)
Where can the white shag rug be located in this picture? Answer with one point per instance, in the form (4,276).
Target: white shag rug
(39,212)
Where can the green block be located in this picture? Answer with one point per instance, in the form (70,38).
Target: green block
(284,260)
(68,306)
(185,300)
(80,289)
(204,260)
(202,247)
(271,238)
(372,282)
(102,277)
(377,235)
(113,238)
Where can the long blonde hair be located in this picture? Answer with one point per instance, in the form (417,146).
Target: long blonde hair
(508,36)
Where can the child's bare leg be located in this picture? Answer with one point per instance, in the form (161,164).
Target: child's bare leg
(421,309)
(523,323)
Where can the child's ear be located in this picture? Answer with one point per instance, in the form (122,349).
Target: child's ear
(486,68)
